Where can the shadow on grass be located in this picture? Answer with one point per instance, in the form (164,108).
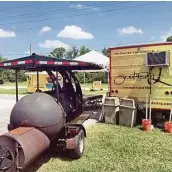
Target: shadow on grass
(52,152)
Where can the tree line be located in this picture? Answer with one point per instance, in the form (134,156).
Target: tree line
(9,75)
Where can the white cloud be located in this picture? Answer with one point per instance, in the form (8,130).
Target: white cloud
(53,44)
(77,6)
(74,32)
(130,30)
(165,35)
(45,29)
(80,6)
(96,9)
(7,34)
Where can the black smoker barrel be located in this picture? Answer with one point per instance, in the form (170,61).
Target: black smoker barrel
(38,110)
(19,147)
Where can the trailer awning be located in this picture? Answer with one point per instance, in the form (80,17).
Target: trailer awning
(36,62)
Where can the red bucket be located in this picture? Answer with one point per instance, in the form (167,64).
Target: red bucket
(148,127)
(168,127)
(146,124)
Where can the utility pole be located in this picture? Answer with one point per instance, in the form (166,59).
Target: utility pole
(30,46)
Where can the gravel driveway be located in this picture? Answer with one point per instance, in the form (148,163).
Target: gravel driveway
(6,104)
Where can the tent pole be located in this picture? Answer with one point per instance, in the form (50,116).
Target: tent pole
(84,81)
(16,74)
(57,87)
(37,73)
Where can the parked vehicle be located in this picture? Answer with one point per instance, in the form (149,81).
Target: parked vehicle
(140,71)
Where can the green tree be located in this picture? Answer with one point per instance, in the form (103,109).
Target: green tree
(2,59)
(69,54)
(106,52)
(73,53)
(1,70)
(169,39)
(83,50)
(9,75)
(58,52)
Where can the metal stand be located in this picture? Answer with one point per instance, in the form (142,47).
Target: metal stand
(57,87)
(150,108)
(84,81)
(170,114)
(108,79)
(37,73)
(146,107)
(16,74)
(17,157)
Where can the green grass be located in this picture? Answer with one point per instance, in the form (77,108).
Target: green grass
(13,91)
(24,90)
(88,85)
(111,148)
(86,92)
(13,84)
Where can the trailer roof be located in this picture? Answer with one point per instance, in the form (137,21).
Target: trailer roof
(141,45)
(36,62)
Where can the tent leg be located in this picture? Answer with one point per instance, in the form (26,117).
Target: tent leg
(57,87)
(16,74)
(37,80)
(84,81)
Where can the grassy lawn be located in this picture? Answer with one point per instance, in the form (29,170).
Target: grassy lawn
(88,85)
(13,84)
(111,148)
(24,90)
(13,91)
(86,92)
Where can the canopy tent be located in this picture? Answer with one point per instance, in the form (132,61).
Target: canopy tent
(95,58)
(43,63)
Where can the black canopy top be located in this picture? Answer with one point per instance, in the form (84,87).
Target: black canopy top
(40,63)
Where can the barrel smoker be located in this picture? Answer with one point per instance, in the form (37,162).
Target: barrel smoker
(40,118)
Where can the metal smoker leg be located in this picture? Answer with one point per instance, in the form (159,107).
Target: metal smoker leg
(16,73)
(17,157)
(57,87)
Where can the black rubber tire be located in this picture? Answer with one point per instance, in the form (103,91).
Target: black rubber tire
(77,153)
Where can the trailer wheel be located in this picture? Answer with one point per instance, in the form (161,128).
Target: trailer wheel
(79,150)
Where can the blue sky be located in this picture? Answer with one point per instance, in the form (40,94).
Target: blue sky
(120,26)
